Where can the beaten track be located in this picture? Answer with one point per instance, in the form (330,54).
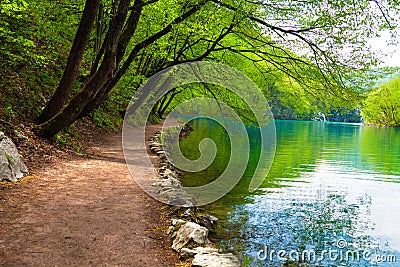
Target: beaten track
(83,211)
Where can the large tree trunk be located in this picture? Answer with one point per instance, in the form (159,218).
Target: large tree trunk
(70,74)
(71,111)
(126,36)
(107,76)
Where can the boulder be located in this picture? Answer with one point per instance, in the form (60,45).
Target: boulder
(215,259)
(190,232)
(11,165)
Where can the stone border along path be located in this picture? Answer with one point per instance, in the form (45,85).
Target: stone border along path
(190,236)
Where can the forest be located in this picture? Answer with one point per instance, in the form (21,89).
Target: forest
(65,60)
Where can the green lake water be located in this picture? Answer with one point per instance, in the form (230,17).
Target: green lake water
(331,198)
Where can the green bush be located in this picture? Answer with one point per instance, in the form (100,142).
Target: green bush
(382,106)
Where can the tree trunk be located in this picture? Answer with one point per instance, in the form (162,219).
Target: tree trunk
(70,74)
(126,36)
(101,83)
(103,92)
(70,112)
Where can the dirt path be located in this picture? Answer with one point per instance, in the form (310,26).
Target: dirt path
(83,212)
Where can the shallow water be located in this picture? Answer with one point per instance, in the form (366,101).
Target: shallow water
(331,197)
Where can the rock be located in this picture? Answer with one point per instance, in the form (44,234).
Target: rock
(172,193)
(182,202)
(215,259)
(155,149)
(190,232)
(178,173)
(208,221)
(167,183)
(155,144)
(175,182)
(162,167)
(11,165)
(166,173)
(178,222)
(187,252)
(160,152)
(170,230)
(172,176)
(161,184)
(189,213)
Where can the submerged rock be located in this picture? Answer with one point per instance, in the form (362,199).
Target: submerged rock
(190,232)
(215,259)
(11,165)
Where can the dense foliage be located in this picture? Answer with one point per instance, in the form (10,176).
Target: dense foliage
(304,55)
(382,106)
(35,37)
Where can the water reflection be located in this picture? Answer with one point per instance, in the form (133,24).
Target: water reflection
(328,182)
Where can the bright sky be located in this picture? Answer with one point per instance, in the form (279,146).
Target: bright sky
(380,44)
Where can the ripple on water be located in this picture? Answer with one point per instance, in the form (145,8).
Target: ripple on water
(331,186)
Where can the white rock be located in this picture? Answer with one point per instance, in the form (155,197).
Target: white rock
(170,230)
(11,165)
(166,172)
(215,260)
(164,183)
(197,250)
(168,183)
(190,232)
(155,149)
(177,222)
(162,168)
(155,144)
